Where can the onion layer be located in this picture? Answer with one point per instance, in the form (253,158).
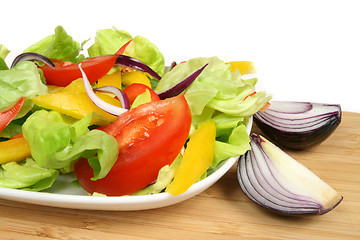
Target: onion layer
(114,110)
(127,61)
(298,125)
(181,86)
(274,180)
(124,100)
(30,56)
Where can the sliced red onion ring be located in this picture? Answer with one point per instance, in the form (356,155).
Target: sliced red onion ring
(276,181)
(124,100)
(181,86)
(127,61)
(298,125)
(31,56)
(114,110)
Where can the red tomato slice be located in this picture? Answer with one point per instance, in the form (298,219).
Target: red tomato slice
(149,136)
(136,89)
(63,74)
(7,116)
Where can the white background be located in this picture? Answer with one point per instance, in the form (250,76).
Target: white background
(303,50)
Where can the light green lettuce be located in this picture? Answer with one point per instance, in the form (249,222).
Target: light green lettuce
(109,41)
(59,46)
(23,80)
(57,144)
(3,53)
(27,175)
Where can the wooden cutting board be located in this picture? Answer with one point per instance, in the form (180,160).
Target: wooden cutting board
(221,212)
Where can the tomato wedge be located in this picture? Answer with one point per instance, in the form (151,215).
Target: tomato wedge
(136,89)
(150,136)
(7,116)
(63,74)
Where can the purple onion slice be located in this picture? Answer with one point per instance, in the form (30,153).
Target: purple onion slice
(298,125)
(31,56)
(114,110)
(276,181)
(181,86)
(124,100)
(127,61)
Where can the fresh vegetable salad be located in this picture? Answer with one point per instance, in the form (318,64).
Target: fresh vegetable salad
(116,117)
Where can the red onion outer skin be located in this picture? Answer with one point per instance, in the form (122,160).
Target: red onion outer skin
(288,136)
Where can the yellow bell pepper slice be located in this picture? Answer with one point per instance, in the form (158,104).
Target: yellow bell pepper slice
(198,157)
(245,67)
(129,78)
(74,87)
(14,150)
(113,79)
(77,105)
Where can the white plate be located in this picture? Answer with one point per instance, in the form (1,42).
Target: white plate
(64,194)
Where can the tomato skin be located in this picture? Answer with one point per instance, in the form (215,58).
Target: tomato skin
(63,74)
(149,136)
(136,89)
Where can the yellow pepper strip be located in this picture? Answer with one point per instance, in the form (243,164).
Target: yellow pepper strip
(198,157)
(14,150)
(129,78)
(113,79)
(53,88)
(245,67)
(75,86)
(77,105)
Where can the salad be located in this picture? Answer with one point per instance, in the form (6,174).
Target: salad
(116,117)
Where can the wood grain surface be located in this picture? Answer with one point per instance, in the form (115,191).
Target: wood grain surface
(221,212)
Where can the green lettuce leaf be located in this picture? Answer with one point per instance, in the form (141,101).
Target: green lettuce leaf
(59,46)
(22,80)
(145,51)
(3,53)
(237,144)
(109,41)
(27,175)
(57,144)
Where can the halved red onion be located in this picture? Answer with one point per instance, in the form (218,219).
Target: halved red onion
(298,125)
(181,86)
(114,110)
(127,61)
(124,100)
(31,56)
(276,181)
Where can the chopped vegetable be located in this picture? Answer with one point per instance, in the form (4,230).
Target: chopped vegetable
(14,150)
(8,115)
(136,89)
(198,157)
(30,56)
(64,73)
(135,76)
